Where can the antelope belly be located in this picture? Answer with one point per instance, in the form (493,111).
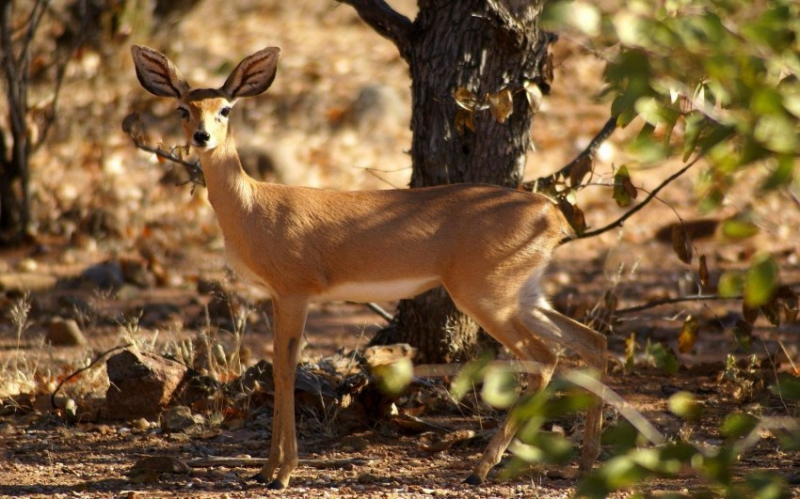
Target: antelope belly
(366,291)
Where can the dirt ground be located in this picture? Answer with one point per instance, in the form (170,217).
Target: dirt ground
(108,212)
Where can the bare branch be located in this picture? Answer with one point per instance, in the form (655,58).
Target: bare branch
(61,71)
(380,311)
(97,359)
(545,183)
(670,301)
(621,220)
(386,21)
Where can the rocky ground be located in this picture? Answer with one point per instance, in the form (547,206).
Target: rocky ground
(123,256)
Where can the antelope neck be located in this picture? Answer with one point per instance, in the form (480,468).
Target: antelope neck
(230,189)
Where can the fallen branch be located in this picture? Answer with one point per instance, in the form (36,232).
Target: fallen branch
(95,361)
(669,301)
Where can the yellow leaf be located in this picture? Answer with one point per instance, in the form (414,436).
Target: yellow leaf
(465,120)
(534,95)
(689,333)
(502,105)
(466,99)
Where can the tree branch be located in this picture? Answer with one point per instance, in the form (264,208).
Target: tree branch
(386,21)
(545,183)
(621,220)
(61,72)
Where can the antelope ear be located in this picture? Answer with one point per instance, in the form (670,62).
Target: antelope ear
(253,75)
(157,74)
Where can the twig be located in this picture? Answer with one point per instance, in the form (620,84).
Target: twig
(588,153)
(95,361)
(61,72)
(668,301)
(621,220)
(380,311)
(131,126)
(386,21)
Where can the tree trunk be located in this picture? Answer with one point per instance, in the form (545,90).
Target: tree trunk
(464,56)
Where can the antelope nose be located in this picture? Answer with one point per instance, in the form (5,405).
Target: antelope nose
(201,137)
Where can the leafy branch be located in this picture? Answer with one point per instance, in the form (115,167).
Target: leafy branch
(619,222)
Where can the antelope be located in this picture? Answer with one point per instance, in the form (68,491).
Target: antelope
(487,245)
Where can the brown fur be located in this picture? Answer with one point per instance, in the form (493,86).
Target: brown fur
(487,245)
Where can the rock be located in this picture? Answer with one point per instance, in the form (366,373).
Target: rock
(142,384)
(27,265)
(65,333)
(135,271)
(381,355)
(105,276)
(141,424)
(179,418)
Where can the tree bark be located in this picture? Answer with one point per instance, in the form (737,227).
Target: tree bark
(463,56)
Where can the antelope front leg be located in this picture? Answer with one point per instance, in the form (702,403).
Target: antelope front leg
(290,319)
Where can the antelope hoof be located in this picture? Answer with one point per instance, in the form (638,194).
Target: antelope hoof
(258,477)
(474,479)
(276,485)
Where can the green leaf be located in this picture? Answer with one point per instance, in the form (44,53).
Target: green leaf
(395,377)
(545,447)
(665,359)
(761,282)
(623,436)
(778,133)
(767,485)
(617,473)
(624,191)
(787,388)
(717,135)
(499,388)
(782,175)
(743,332)
(731,283)
(738,425)
(469,375)
(683,404)
(739,227)
(695,123)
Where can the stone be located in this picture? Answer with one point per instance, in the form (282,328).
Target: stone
(179,418)
(105,276)
(65,333)
(141,384)
(22,282)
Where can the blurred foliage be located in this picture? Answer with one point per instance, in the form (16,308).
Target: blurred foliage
(717,79)
(635,458)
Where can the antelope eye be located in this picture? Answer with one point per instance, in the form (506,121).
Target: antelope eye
(183,112)
(225,111)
